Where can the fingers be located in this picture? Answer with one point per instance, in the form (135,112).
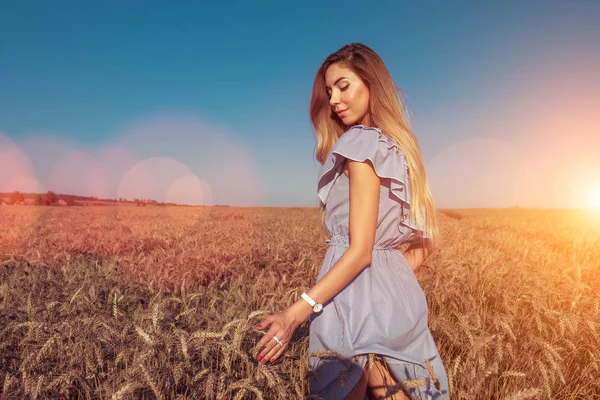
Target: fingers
(272,350)
(264,341)
(265,322)
(278,351)
(268,343)
(269,349)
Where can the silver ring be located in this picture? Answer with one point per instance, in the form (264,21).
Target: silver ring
(277,340)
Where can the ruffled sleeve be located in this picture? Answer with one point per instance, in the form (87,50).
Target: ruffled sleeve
(360,143)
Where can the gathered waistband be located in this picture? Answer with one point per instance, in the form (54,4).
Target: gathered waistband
(344,241)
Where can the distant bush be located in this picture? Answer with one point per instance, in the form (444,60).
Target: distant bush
(47,199)
(50,198)
(17,197)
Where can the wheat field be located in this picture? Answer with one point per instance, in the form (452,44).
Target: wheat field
(162,302)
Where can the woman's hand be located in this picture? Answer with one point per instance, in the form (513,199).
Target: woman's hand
(283,325)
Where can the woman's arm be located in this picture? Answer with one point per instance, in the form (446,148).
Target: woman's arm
(416,254)
(364,207)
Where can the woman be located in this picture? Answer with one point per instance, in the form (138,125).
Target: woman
(368,313)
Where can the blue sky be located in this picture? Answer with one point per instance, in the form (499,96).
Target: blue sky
(100,98)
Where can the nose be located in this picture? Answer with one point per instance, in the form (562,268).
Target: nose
(334,99)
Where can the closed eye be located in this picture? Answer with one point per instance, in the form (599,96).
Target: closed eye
(342,89)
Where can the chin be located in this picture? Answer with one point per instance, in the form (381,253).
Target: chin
(349,121)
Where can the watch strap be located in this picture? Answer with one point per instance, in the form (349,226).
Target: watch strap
(308,299)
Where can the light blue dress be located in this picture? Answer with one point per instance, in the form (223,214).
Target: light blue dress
(383,310)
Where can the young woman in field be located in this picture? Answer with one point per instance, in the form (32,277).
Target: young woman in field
(367,311)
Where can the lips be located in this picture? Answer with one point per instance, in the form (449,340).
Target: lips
(339,113)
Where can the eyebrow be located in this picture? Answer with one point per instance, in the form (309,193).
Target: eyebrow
(338,79)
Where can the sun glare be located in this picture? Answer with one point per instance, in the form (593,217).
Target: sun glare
(596,200)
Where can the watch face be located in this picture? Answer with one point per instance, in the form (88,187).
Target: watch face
(318,307)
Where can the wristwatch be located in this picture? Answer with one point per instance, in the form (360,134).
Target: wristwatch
(317,307)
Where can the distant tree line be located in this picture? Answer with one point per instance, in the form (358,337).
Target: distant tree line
(51,198)
(145,202)
(45,199)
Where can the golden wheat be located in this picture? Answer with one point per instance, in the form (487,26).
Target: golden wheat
(122,302)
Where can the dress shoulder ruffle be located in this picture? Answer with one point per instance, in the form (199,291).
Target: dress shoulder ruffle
(361,143)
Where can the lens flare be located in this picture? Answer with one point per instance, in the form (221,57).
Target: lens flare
(596,200)
(16,171)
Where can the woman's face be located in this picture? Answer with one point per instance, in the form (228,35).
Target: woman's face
(348,95)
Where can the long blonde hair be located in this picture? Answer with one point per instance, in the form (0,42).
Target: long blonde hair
(386,112)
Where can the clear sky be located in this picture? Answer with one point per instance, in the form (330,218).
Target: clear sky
(193,103)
